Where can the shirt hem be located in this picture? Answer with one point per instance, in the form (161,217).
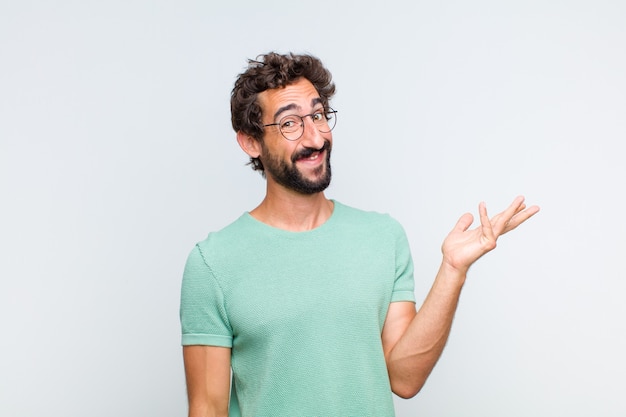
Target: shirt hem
(207,340)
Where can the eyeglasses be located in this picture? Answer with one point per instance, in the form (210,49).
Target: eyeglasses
(292,126)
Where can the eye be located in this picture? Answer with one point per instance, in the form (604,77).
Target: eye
(318,117)
(289,123)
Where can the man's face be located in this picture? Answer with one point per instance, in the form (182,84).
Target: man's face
(302,165)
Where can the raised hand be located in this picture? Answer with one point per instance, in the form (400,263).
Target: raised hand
(462,247)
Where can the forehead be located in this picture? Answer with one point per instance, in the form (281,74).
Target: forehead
(296,97)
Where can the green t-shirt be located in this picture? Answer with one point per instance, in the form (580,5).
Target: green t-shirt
(302,311)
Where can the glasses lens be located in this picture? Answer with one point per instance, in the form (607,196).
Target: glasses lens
(291,127)
(328,121)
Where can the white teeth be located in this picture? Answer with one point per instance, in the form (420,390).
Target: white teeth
(312,157)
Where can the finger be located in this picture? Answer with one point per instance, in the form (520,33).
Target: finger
(485,222)
(520,218)
(501,221)
(516,206)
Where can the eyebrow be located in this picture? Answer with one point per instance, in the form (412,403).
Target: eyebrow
(293,106)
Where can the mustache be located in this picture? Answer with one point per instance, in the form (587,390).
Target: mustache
(307,152)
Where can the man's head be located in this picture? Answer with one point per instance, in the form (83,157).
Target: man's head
(273,72)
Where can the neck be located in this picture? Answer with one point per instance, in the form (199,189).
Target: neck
(289,210)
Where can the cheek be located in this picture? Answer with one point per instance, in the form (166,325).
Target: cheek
(281,150)
(270,152)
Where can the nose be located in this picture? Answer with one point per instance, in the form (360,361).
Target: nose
(312,137)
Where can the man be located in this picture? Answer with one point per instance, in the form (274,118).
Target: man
(308,301)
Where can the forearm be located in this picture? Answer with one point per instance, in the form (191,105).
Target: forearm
(415,354)
(202,411)
(207,372)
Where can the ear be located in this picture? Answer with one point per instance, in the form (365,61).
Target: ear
(250,145)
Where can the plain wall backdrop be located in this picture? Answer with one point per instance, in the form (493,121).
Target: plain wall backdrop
(117,155)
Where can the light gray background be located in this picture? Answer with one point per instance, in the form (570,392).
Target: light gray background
(116,156)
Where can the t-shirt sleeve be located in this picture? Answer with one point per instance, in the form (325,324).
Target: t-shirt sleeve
(404,287)
(203,315)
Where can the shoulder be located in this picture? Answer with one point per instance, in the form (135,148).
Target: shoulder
(359,222)
(223,239)
(352,215)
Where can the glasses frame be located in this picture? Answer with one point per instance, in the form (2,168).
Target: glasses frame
(327,110)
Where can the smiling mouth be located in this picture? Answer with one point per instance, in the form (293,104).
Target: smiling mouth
(311,154)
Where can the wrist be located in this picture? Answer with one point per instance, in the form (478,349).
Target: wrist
(455,273)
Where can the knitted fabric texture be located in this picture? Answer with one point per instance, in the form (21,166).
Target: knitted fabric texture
(302,312)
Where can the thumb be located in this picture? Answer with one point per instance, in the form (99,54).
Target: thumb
(464,222)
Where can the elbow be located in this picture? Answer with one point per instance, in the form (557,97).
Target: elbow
(407,383)
(406,391)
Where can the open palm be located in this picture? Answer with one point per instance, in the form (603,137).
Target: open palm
(462,247)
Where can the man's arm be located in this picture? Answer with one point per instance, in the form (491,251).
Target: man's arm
(413,342)
(207,370)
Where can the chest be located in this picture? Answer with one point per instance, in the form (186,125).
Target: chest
(312,289)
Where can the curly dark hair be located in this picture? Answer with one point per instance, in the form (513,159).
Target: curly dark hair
(270,71)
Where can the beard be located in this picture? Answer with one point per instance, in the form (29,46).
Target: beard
(290,177)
